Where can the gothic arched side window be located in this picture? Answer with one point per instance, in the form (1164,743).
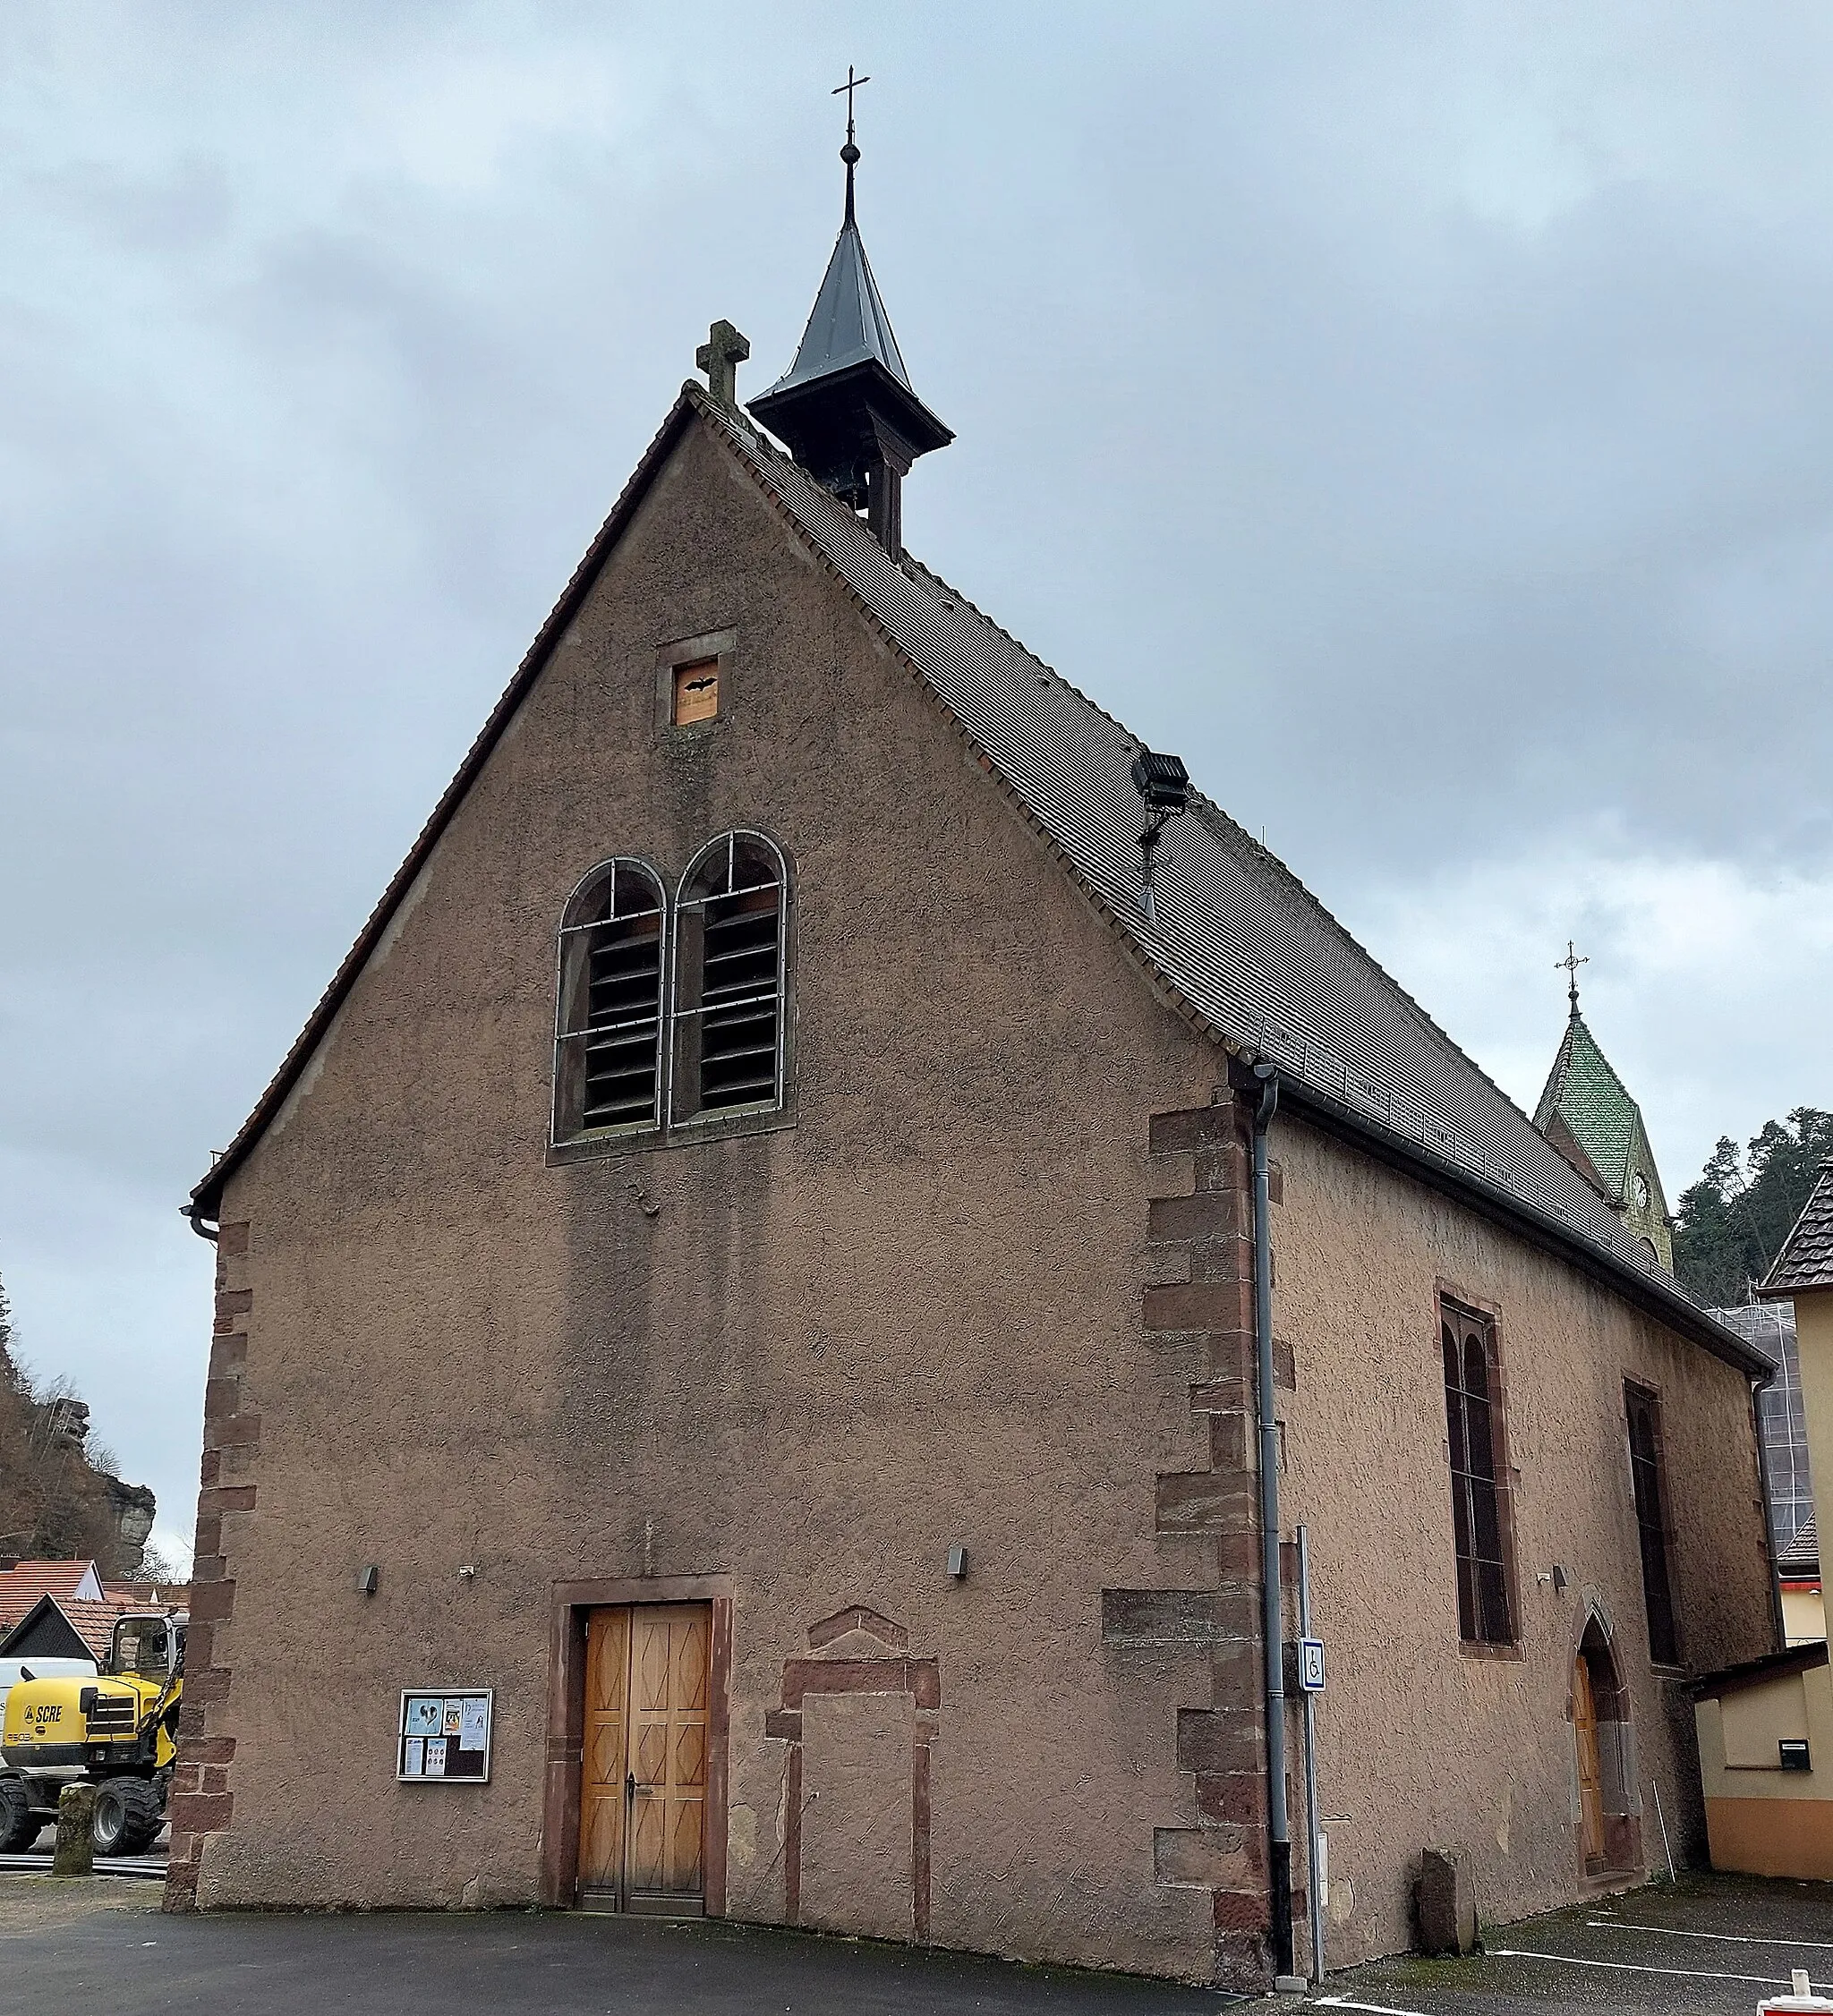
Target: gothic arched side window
(1478,1472)
(607,1048)
(730,979)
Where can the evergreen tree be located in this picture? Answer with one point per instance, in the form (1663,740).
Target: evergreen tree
(1732,1222)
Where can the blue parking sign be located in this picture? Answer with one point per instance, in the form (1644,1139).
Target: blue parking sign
(1312,1666)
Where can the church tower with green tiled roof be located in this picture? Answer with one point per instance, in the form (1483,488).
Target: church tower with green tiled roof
(1587,1113)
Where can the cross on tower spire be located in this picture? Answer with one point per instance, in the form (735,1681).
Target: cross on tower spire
(849,153)
(846,409)
(1570,965)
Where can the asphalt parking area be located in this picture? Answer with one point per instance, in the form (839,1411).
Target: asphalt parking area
(137,1962)
(1708,1945)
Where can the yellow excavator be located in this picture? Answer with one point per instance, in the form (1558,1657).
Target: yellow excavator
(117,1732)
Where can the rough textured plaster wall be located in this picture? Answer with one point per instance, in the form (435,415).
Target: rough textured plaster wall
(857,1850)
(1422,1744)
(911,1318)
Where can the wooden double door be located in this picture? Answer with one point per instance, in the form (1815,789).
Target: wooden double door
(642,1785)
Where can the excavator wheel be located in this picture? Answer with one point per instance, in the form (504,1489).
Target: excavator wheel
(129,1814)
(19,1826)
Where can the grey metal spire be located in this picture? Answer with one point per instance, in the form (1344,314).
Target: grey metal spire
(848,324)
(846,407)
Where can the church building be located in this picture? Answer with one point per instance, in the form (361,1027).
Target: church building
(777,1326)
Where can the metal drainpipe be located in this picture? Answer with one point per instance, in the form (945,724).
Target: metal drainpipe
(1760,1384)
(1272,1629)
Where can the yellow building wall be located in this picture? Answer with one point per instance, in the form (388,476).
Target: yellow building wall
(1804,1613)
(1760,1818)
(1813,1340)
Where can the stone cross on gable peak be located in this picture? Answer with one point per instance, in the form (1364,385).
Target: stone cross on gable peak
(720,357)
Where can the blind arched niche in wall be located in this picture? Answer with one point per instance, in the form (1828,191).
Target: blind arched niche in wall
(608,1050)
(728,979)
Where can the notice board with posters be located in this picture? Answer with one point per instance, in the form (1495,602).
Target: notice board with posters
(444,1737)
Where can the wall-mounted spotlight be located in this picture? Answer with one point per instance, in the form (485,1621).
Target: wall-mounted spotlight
(1164,785)
(958,1562)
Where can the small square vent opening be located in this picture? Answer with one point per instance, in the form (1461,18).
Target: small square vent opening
(696,692)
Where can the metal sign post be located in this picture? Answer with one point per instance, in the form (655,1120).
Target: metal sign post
(1311,1686)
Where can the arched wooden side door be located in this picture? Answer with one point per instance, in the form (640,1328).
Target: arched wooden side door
(1584,1729)
(643,1772)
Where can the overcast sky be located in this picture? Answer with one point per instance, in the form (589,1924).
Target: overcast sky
(1420,418)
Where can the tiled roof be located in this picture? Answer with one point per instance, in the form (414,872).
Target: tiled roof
(1755,1672)
(1235,938)
(1233,930)
(95,1621)
(1803,1551)
(21,1586)
(1586,1093)
(1806,1259)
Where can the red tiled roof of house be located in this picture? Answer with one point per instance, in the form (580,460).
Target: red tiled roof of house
(21,1586)
(95,1623)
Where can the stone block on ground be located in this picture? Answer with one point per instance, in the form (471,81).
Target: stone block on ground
(1446,1902)
(76,1832)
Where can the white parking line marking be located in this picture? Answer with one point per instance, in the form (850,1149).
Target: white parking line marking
(1631,1967)
(1730,1938)
(1379,2008)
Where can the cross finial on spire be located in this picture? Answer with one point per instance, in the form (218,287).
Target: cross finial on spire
(849,153)
(1570,965)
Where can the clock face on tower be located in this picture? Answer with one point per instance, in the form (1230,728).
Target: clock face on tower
(1640,1190)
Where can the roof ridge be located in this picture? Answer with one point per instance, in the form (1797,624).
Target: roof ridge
(1018,644)
(1547,1103)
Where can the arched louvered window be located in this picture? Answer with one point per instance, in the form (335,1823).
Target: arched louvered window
(608,1051)
(728,979)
